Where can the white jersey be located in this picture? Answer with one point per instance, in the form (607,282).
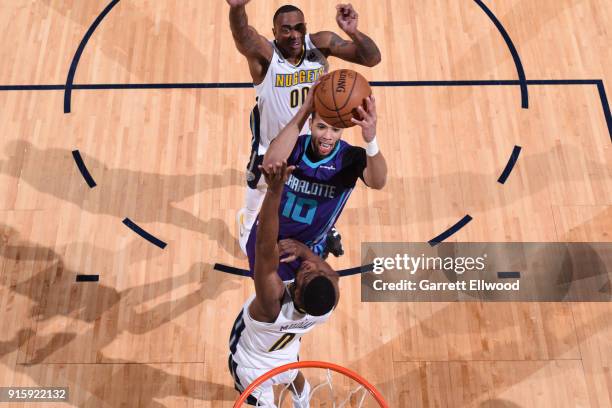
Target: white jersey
(260,345)
(283,90)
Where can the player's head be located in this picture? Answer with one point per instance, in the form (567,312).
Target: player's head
(289,30)
(316,288)
(324,136)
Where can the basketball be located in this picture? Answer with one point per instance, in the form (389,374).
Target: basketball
(339,94)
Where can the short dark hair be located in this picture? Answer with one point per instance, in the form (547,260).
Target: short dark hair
(319,296)
(287,8)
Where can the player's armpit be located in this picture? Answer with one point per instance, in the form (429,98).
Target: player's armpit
(269,294)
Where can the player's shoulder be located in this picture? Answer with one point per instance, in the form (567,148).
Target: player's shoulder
(352,154)
(349,147)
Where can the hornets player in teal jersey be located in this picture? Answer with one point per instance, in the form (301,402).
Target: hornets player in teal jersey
(326,171)
(283,69)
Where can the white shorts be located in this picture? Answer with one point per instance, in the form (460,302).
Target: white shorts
(263,395)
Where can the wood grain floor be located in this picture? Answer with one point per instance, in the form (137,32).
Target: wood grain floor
(153,331)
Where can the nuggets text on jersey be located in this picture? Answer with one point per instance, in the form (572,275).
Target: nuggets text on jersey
(304,76)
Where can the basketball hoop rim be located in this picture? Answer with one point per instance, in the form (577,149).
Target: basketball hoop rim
(312,364)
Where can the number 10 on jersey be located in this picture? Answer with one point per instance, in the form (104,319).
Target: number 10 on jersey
(300,209)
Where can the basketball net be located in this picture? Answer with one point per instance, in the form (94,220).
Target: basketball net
(338,387)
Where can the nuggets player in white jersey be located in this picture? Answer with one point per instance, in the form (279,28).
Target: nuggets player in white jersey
(267,332)
(283,70)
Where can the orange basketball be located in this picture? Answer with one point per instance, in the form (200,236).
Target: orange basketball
(338,95)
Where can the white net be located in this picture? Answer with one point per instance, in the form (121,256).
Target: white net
(328,389)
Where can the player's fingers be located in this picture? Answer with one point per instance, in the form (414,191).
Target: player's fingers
(290,258)
(285,243)
(370,104)
(284,171)
(278,168)
(364,114)
(286,251)
(358,122)
(272,170)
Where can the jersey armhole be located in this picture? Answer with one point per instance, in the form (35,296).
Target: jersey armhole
(257,322)
(311,46)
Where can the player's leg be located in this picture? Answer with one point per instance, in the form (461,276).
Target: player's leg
(255,191)
(295,382)
(248,214)
(263,395)
(301,391)
(256,187)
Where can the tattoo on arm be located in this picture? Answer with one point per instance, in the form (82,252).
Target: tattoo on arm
(367,51)
(246,37)
(361,49)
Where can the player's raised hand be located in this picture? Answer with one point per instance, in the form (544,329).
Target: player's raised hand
(347,18)
(276,174)
(237,3)
(291,250)
(308,104)
(368,119)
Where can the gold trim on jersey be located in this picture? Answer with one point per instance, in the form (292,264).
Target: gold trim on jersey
(282,342)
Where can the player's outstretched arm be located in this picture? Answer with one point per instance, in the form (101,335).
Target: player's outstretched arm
(375,173)
(269,288)
(360,50)
(281,147)
(248,41)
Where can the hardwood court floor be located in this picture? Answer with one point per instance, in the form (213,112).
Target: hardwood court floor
(153,331)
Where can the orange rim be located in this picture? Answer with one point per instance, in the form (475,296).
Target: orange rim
(312,364)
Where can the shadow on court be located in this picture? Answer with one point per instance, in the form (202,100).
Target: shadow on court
(39,274)
(144,41)
(464,349)
(54,172)
(473,190)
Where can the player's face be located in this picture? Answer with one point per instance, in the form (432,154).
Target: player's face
(308,271)
(289,32)
(324,136)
